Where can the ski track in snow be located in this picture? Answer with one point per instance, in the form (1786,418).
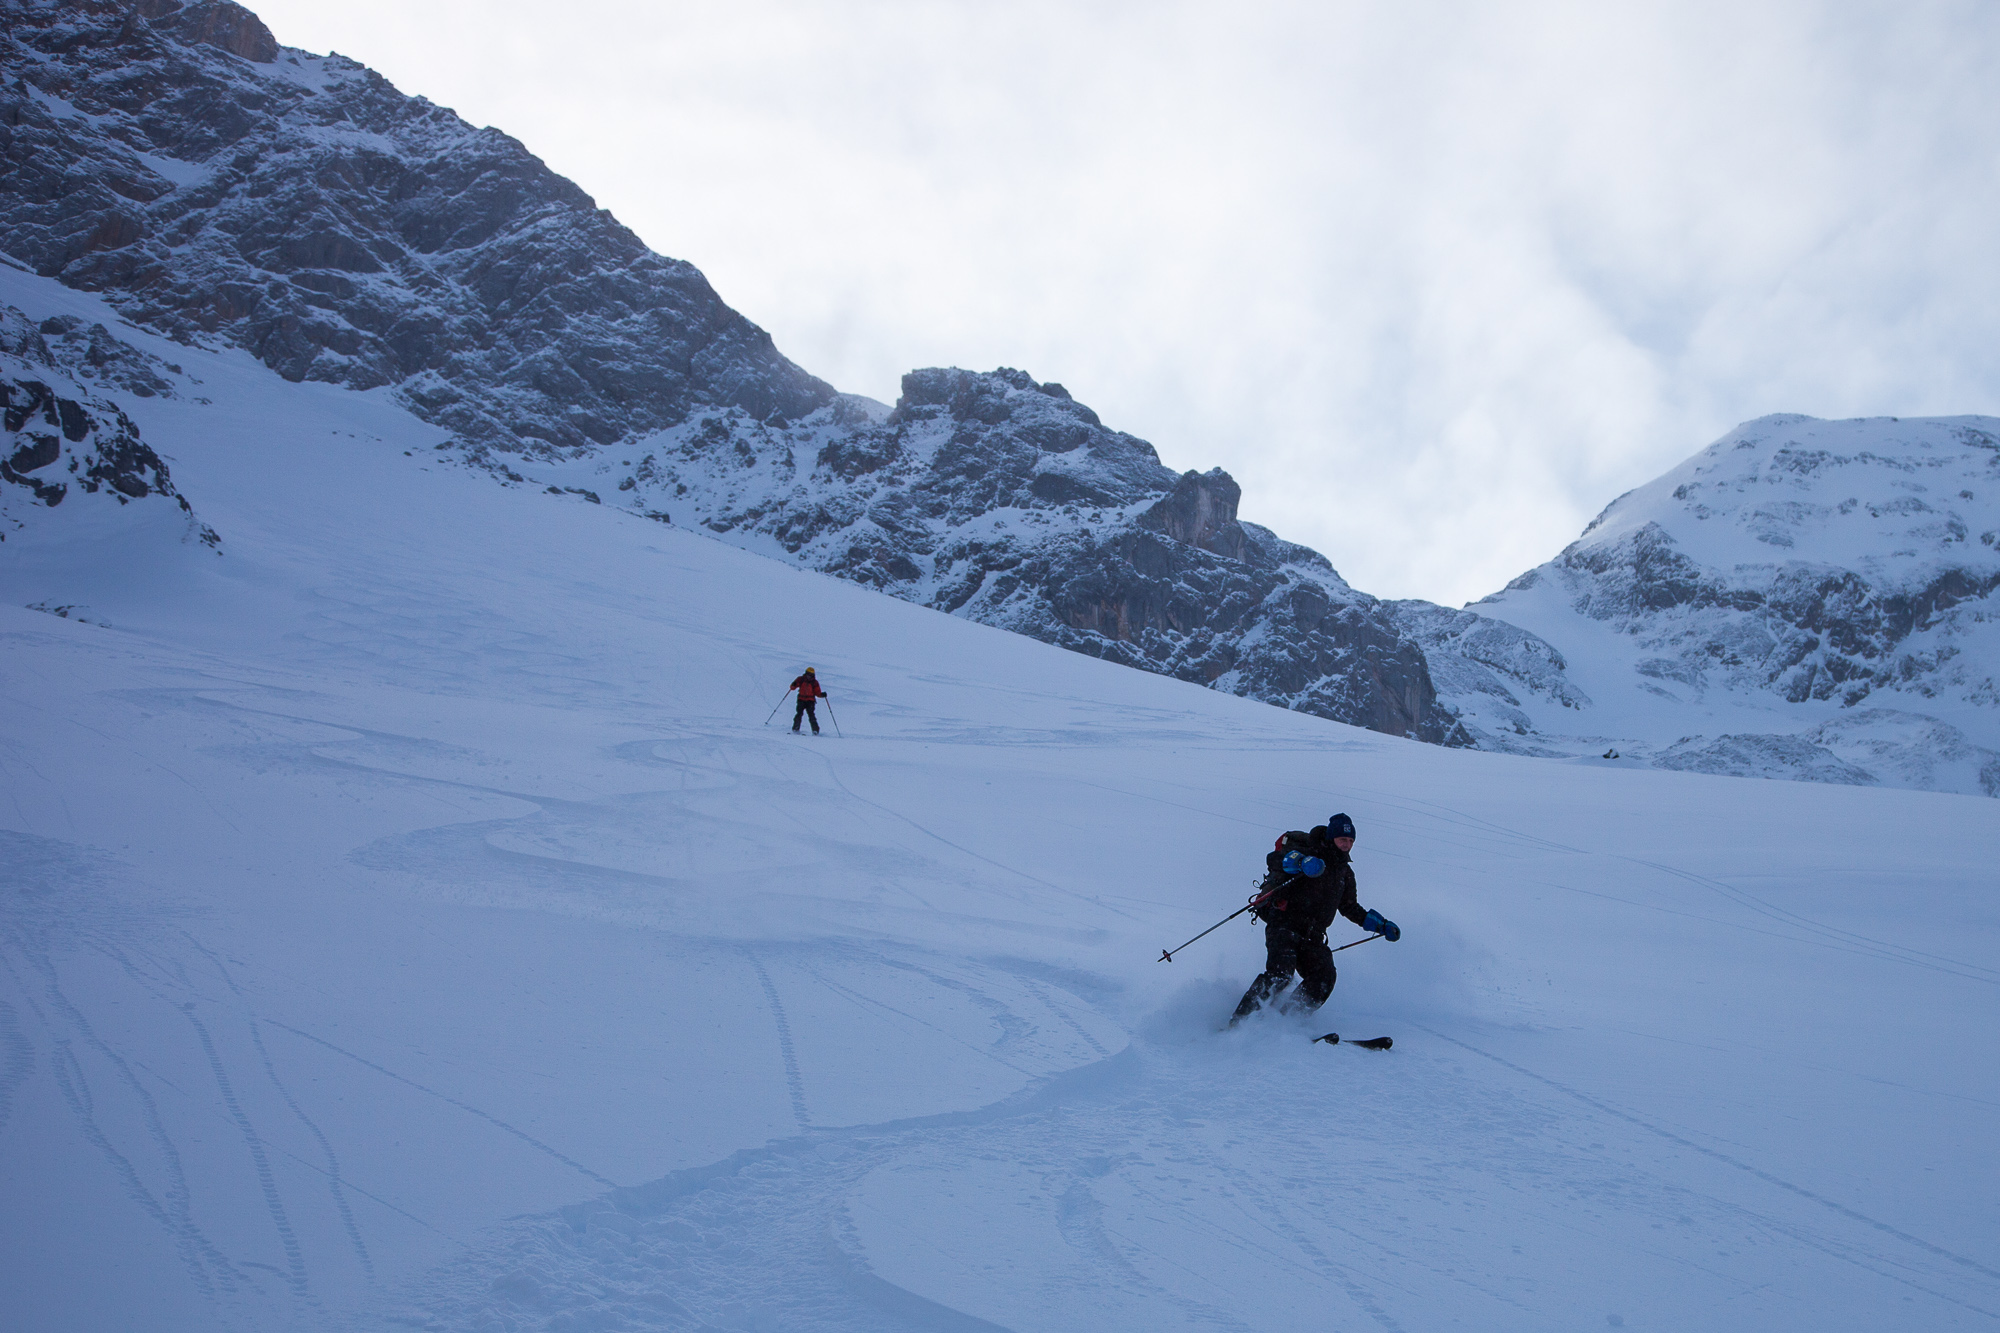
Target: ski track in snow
(333,1180)
(448,1100)
(295,1258)
(20,1060)
(1767,1177)
(210,1272)
(794,1084)
(405,907)
(682,1253)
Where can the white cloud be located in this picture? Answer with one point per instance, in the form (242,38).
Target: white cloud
(1435,281)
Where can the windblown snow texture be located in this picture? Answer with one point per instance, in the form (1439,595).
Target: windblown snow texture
(408,922)
(1803,598)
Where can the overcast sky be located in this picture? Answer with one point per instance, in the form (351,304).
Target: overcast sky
(1434,281)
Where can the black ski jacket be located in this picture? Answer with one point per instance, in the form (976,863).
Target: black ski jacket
(1306,905)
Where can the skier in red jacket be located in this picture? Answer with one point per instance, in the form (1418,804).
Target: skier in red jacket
(810,693)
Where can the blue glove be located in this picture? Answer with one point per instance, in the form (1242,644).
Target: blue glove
(1298,863)
(1381,925)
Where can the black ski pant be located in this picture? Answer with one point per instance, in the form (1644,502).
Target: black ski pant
(1286,952)
(807,709)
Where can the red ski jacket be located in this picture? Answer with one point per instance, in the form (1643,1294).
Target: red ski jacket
(808,688)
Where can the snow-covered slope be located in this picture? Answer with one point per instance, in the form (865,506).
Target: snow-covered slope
(408,921)
(1005,501)
(228,191)
(1803,598)
(1788,607)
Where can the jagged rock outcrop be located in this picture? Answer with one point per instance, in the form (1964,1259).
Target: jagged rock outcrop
(221,189)
(1004,500)
(88,353)
(1487,670)
(58,443)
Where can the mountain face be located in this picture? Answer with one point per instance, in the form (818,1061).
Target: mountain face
(226,191)
(997,498)
(1803,598)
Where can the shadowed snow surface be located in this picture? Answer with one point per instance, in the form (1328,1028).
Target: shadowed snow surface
(409,920)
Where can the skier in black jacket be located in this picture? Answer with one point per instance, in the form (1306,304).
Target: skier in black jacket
(1309,881)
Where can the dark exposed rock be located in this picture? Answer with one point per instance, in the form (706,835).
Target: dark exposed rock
(50,442)
(218,188)
(38,451)
(1201,511)
(88,353)
(224,26)
(990,496)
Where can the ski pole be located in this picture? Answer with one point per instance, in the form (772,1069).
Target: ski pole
(1167,955)
(781,704)
(831,718)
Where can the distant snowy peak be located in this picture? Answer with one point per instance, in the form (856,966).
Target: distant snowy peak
(1818,559)
(1733,614)
(1898,494)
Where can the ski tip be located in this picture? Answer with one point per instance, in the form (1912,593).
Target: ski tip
(1375,1043)
(1331,1038)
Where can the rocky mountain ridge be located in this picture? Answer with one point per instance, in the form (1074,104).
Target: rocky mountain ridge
(216,187)
(992,496)
(225,190)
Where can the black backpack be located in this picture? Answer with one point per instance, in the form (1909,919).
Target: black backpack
(1292,840)
(1275,878)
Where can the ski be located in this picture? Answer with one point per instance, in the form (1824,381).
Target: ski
(1369,1044)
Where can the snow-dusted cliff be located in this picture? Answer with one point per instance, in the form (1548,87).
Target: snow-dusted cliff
(1006,501)
(1803,598)
(227,191)
(63,440)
